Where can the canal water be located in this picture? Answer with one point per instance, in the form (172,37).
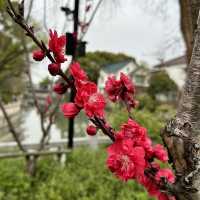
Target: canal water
(32,130)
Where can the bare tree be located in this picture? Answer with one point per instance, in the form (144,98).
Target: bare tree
(43,114)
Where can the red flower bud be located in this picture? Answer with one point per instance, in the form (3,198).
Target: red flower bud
(38,55)
(54,69)
(91,130)
(70,110)
(48,100)
(60,88)
(77,72)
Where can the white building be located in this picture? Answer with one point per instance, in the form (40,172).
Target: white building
(176,69)
(139,74)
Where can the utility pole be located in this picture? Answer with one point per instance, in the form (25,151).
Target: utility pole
(72,95)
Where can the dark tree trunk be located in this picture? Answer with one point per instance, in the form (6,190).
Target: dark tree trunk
(31,165)
(182,134)
(189,13)
(186,26)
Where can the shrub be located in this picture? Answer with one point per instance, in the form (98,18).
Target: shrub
(161,83)
(146,102)
(165,112)
(144,117)
(14,183)
(84,177)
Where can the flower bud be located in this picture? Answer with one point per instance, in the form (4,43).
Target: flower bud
(60,88)
(70,110)
(91,130)
(60,58)
(48,100)
(38,55)
(54,69)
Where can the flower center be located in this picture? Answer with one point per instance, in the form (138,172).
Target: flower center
(93,98)
(125,162)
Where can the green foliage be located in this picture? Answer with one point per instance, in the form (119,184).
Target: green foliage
(165,112)
(93,61)
(153,117)
(11,57)
(146,102)
(2,2)
(45,83)
(14,183)
(152,122)
(160,82)
(85,177)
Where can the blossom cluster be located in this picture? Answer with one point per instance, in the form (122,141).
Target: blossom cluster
(122,89)
(132,154)
(87,98)
(56,47)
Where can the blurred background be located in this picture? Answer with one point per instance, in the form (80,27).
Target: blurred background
(147,40)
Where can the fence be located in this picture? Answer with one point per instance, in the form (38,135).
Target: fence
(54,147)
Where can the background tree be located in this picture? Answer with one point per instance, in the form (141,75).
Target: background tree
(15,65)
(12,63)
(161,83)
(93,61)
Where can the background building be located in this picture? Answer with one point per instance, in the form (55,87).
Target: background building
(139,74)
(176,70)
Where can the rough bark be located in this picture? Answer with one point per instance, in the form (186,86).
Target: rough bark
(182,134)
(189,14)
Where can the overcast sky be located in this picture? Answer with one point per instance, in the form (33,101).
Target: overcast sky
(146,31)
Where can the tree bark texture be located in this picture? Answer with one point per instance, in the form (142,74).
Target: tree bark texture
(189,13)
(182,134)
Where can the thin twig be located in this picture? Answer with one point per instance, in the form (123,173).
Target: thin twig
(11,127)
(29,30)
(106,130)
(30,77)
(48,128)
(19,20)
(29,10)
(91,18)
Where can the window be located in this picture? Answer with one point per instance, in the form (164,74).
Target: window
(139,79)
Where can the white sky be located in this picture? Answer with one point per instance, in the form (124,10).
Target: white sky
(146,31)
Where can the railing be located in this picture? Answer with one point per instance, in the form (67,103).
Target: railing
(55,147)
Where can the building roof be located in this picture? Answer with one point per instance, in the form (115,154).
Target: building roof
(115,67)
(175,61)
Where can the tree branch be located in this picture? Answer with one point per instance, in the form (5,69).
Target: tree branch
(30,76)
(46,132)
(91,18)
(11,127)
(29,10)
(20,20)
